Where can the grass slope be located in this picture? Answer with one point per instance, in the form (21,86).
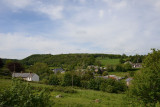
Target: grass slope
(108,61)
(86,98)
(82,98)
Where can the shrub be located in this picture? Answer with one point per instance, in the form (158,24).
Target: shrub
(53,80)
(20,94)
(128,66)
(95,83)
(120,68)
(84,84)
(67,79)
(105,73)
(112,86)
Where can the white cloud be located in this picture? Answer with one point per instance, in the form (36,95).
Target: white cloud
(101,13)
(18,45)
(157,5)
(50,10)
(116,4)
(82,1)
(54,12)
(18,3)
(112,27)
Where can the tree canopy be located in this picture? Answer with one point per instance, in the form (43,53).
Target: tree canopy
(15,66)
(1,63)
(145,87)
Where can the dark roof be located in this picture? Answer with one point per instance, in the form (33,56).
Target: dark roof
(23,75)
(129,79)
(58,69)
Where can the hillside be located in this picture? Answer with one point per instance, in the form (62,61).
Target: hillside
(66,60)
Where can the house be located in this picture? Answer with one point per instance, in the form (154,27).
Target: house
(128,81)
(26,76)
(136,65)
(56,70)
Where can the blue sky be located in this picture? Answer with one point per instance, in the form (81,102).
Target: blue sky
(78,26)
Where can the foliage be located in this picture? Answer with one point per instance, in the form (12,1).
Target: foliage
(15,66)
(67,61)
(77,97)
(107,85)
(53,80)
(121,60)
(120,68)
(112,86)
(42,70)
(127,66)
(110,68)
(105,73)
(145,86)
(1,63)
(131,73)
(95,83)
(84,84)
(136,58)
(87,75)
(21,95)
(67,79)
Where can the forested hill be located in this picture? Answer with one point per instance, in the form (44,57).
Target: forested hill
(65,59)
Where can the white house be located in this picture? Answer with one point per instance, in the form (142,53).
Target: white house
(128,81)
(26,76)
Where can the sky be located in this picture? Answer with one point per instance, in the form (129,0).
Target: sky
(78,26)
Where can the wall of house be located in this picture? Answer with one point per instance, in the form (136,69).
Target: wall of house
(29,79)
(35,78)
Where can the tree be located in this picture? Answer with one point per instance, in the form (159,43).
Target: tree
(145,87)
(15,67)
(128,66)
(71,79)
(53,80)
(110,68)
(1,63)
(41,69)
(20,94)
(121,60)
(105,73)
(120,68)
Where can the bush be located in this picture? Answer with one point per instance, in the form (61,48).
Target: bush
(67,79)
(110,68)
(105,73)
(20,94)
(120,68)
(95,83)
(84,84)
(112,86)
(53,80)
(128,66)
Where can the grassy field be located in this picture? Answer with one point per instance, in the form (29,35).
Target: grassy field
(108,61)
(82,97)
(86,98)
(121,74)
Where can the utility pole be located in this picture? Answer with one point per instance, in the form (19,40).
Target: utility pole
(14,67)
(72,79)
(14,70)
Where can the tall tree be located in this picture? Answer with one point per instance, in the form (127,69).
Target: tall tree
(145,87)
(1,63)
(41,69)
(15,67)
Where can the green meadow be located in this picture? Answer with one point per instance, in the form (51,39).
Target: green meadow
(108,61)
(79,98)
